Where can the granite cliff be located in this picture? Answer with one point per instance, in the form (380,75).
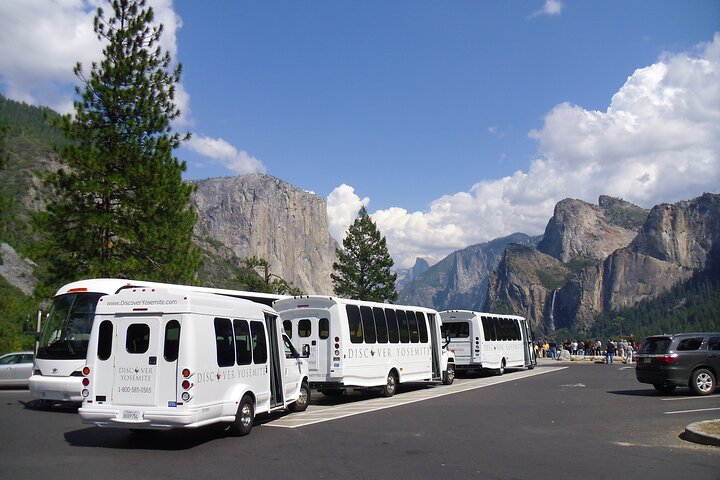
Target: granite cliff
(598,259)
(265,217)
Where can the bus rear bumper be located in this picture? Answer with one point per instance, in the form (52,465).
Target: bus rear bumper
(136,418)
(63,389)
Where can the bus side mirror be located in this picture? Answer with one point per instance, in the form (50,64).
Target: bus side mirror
(305,351)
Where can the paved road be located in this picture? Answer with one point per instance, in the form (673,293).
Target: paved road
(585,421)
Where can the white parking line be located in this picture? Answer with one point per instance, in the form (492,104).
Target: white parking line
(319,413)
(693,397)
(692,411)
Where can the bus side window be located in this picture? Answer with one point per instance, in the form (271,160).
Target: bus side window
(488,331)
(243,346)
(368,323)
(259,342)
(105,339)
(412,323)
(422,325)
(224,342)
(403,325)
(354,323)
(393,331)
(380,325)
(172,341)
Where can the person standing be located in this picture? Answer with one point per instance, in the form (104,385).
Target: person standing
(610,351)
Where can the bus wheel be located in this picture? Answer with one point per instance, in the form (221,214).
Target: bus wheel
(301,404)
(243,418)
(501,370)
(449,375)
(390,385)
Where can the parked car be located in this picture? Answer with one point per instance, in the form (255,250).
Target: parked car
(681,360)
(16,369)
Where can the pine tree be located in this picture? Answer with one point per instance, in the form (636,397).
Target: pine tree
(362,271)
(119,207)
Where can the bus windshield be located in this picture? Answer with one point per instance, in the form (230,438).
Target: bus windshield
(67,330)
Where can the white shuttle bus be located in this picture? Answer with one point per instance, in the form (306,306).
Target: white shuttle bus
(162,358)
(488,341)
(361,345)
(63,340)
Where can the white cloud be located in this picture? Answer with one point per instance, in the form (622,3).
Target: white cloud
(658,141)
(343,205)
(237,161)
(551,7)
(41,41)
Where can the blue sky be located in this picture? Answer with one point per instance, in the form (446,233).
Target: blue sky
(454,122)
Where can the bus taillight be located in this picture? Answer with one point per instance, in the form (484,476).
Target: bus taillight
(85,381)
(186,384)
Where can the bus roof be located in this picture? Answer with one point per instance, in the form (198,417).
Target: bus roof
(447,314)
(324,301)
(110,286)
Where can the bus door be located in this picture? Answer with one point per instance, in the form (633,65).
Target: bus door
(528,347)
(315,332)
(141,374)
(277,395)
(435,346)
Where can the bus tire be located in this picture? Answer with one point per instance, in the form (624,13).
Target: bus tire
(244,417)
(501,370)
(388,390)
(449,375)
(301,404)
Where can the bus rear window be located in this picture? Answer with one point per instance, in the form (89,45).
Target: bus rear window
(172,341)
(137,339)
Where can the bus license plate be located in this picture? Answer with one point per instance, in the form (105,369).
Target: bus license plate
(131,415)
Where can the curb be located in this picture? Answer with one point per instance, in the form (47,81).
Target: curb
(694,433)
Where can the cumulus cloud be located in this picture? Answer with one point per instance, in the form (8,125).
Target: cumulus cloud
(658,141)
(343,205)
(41,41)
(550,8)
(237,161)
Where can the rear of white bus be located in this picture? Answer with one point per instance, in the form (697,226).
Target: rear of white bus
(313,326)
(460,326)
(132,377)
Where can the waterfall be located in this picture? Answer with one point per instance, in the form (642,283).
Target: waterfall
(552,312)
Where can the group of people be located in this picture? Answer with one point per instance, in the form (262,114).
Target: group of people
(623,349)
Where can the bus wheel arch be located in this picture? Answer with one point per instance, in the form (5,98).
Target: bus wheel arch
(245,416)
(391,383)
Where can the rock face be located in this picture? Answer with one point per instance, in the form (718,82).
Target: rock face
(262,216)
(675,241)
(16,270)
(579,230)
(605,260)
(460,280)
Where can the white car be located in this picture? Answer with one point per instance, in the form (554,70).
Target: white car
(16,369)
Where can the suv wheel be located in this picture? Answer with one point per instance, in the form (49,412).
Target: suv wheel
(702,382)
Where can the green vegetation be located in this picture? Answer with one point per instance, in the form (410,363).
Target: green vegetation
(120,208)
(362,271)
(15,308)
(624,214)
(693,305)
(553,277)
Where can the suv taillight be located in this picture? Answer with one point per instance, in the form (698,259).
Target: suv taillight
(666,359)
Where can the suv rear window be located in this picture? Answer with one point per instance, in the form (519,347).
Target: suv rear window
(688,344)
(656,345)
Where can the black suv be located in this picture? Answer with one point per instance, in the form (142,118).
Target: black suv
(684,359)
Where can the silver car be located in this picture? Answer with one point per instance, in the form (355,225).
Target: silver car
(16,369)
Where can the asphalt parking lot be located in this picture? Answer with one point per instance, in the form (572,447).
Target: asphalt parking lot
(583,420)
